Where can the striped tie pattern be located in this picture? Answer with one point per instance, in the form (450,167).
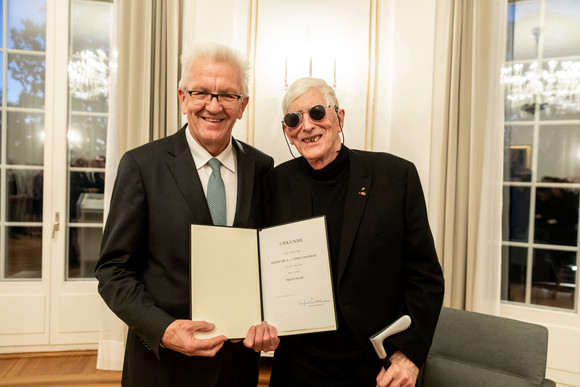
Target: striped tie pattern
(216,194)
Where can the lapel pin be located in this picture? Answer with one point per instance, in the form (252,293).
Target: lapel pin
(362,192)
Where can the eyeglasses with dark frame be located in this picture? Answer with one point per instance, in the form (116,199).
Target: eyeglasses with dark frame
(206,97)
(316,113)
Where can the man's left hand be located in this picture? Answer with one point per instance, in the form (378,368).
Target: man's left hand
(402,372)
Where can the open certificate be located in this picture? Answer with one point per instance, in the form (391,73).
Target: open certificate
(280,274)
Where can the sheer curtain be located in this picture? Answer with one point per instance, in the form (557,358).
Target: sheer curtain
(143,107)
(468,176)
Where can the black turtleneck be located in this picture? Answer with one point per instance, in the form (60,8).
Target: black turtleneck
(328,187)
(328,196)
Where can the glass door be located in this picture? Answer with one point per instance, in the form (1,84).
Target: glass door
(81,136)
(55,85)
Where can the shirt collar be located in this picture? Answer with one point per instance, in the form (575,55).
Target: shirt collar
(202,156)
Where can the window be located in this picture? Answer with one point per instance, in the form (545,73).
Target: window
(23,135)
(541,153)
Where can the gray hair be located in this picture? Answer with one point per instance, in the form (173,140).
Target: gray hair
(302,85)
(219,53)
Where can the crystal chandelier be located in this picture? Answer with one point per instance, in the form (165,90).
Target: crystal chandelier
(89,76)
(556,87)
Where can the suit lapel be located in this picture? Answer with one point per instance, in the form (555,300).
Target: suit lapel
(185,173)
(359,188)
(245,173)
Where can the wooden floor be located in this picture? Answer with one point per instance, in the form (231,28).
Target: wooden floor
(71,368)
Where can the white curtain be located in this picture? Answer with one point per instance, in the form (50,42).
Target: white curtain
(143,107)
(490,45)
(471,170)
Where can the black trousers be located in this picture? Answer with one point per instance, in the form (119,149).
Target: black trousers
(233,366)
(293,368)
(239,369)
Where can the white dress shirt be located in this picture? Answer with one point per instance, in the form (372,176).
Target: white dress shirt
(228,171)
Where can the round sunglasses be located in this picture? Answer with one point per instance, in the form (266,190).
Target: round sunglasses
(316,113)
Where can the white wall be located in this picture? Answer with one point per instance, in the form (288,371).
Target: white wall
(412,93)
(370,41)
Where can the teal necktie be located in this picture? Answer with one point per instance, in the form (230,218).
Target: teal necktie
(216,194)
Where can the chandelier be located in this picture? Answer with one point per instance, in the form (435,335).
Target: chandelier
(554,88)
(88,76)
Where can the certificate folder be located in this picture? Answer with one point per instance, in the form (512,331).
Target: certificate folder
(280,274)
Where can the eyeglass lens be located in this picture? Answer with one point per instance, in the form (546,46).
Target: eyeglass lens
(206,97)
(316,113)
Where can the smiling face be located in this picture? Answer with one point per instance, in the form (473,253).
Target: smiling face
(317,141)
(210,123)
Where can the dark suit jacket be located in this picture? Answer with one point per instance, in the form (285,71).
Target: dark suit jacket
(144,267)
(387,264)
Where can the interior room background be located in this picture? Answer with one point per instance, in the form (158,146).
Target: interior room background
(483,96)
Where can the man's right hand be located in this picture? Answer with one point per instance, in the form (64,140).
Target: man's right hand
(180,336)
(262,337)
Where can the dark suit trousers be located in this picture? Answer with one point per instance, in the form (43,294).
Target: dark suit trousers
(296,368)
(236,366)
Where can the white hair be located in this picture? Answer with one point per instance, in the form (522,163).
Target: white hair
(219,53)
(302,85)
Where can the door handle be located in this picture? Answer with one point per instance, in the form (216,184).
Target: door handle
(56,224)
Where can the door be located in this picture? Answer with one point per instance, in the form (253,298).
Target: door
(55,89)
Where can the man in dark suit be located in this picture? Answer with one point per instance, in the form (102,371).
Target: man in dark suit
(161,187)
(383,258)
(96,177)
